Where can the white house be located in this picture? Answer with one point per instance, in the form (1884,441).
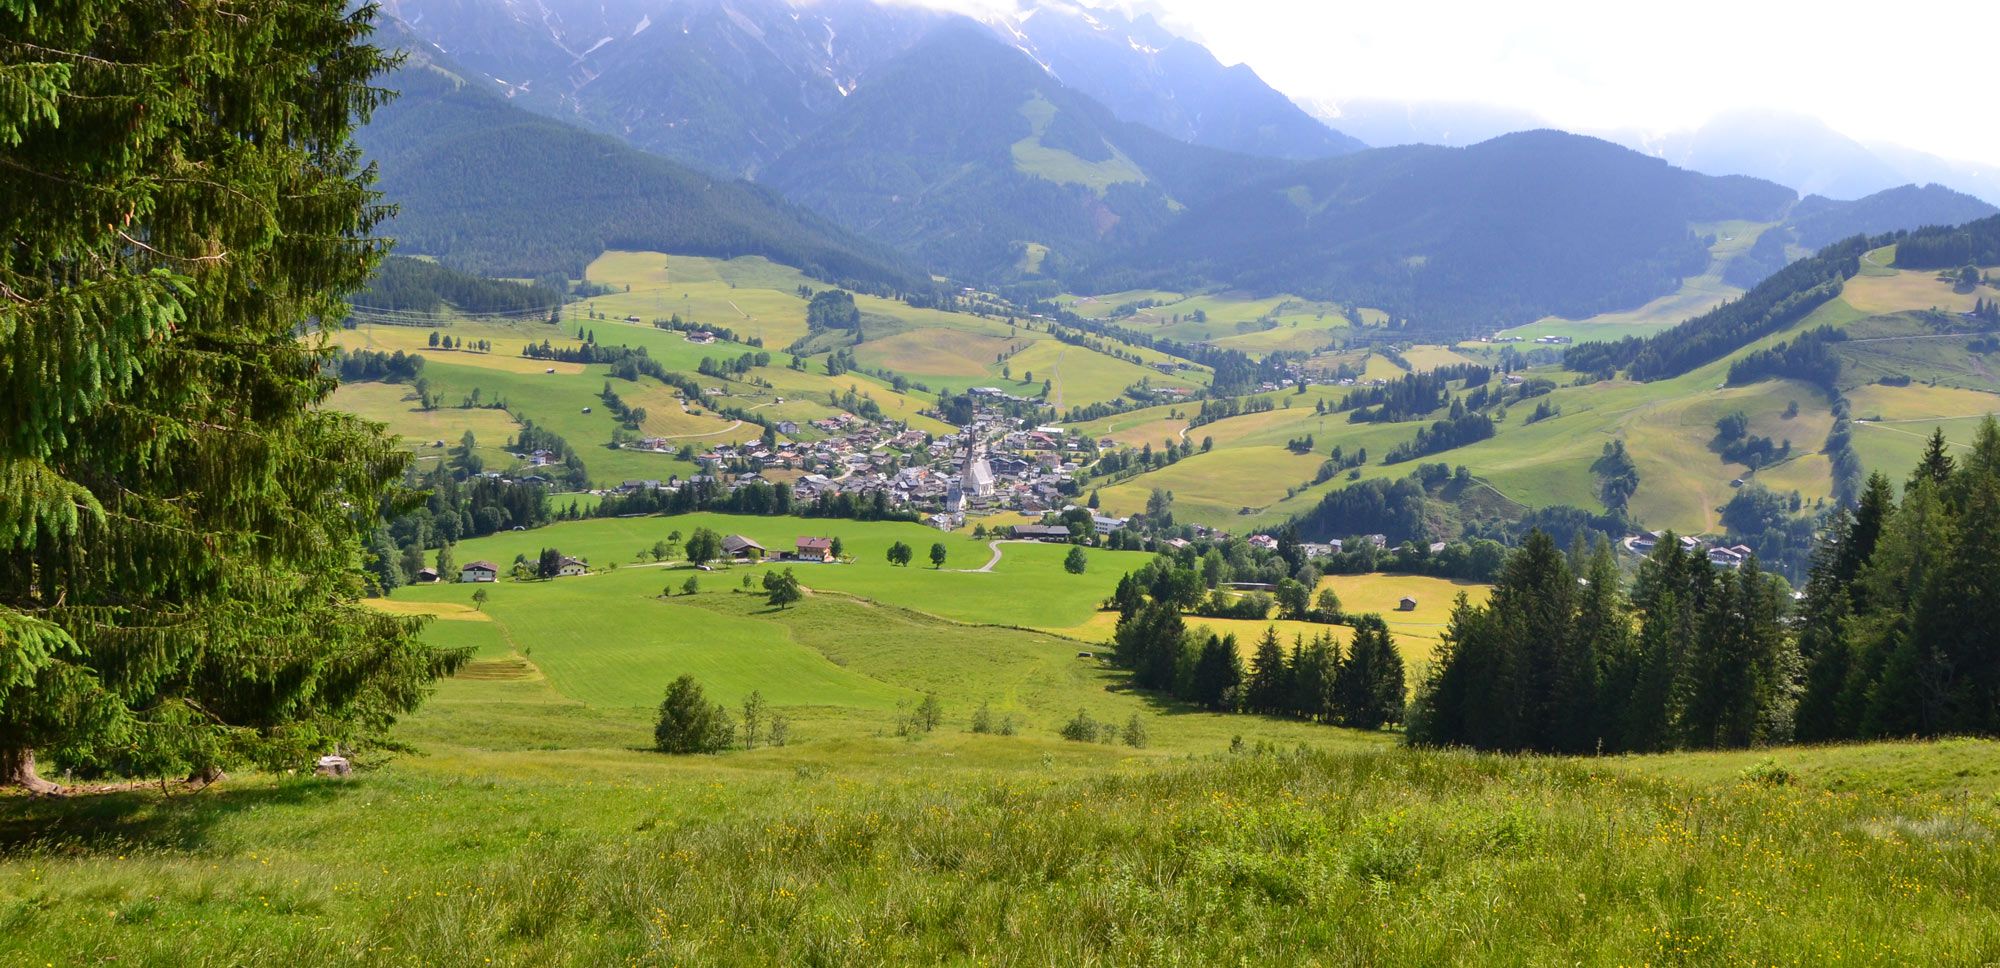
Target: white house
(479,571)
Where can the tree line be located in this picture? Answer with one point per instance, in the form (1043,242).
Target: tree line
(1562,660)
(1899,630)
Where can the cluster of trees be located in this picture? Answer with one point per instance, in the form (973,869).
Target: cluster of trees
(833,309)
(1695,657)
(689,723)
(1127,462)
(1810,358)
(629,417)
(1987,310)
(1413,395)
(361,366)
(1361,686)
(1899,630)
(732,368)
(1442,435)
(443,341)
(1734,441)
(417,285)
(1617,476)
(1222,408)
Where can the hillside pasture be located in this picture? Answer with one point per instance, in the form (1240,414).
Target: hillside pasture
(395,404)
(1910,289)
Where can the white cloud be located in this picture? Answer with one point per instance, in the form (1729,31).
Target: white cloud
(1874,72)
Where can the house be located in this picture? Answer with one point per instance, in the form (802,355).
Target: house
(426,575)
(1106,524)
(1380,541)
(815,549)
(572,567)
(1264,541)
(789,428)
(1041,532)
(738,546)
(1314,550)
(479,571)
(1407,604)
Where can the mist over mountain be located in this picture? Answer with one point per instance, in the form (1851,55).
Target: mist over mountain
(1383,122)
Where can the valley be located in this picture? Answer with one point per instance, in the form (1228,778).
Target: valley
(767,482)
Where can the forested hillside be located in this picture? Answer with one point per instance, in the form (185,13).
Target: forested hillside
(966,151)
(1817,221)
(489,188)
(1503,232)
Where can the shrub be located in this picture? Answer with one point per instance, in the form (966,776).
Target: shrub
(689,723)
(1082,728)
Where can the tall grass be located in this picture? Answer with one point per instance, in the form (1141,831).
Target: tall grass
(1350,858)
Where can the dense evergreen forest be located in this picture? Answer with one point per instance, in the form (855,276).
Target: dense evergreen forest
(1976,243)
(414,285)
(495,190)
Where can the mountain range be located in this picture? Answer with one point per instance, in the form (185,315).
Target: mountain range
(1794,150)
(1057,148)
(730,85)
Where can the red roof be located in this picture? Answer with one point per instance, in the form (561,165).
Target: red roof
(816,544)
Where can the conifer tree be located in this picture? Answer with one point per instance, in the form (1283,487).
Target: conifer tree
(181,523)
(1269,682)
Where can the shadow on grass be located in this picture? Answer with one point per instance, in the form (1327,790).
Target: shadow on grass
(146,819)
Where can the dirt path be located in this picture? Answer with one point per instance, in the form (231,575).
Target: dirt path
(994,546)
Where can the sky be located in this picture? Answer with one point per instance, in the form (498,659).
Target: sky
(1875,72)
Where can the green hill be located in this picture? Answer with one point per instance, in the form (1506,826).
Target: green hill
(492,189)
(1457,240)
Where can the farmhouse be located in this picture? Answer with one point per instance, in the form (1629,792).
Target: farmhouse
(572,567)
(815,549)
(1041,532)
(479,571)
(426,575)
(738,546)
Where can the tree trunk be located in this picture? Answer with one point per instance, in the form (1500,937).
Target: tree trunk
(204,777)
(22,773)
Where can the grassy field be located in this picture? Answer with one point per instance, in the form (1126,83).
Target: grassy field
(528,824)
(1032,157)
(976,850)
(1026,573)
(395,404)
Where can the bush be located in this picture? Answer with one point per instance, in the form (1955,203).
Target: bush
(1135,732)
(1082,728)
(689,723)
